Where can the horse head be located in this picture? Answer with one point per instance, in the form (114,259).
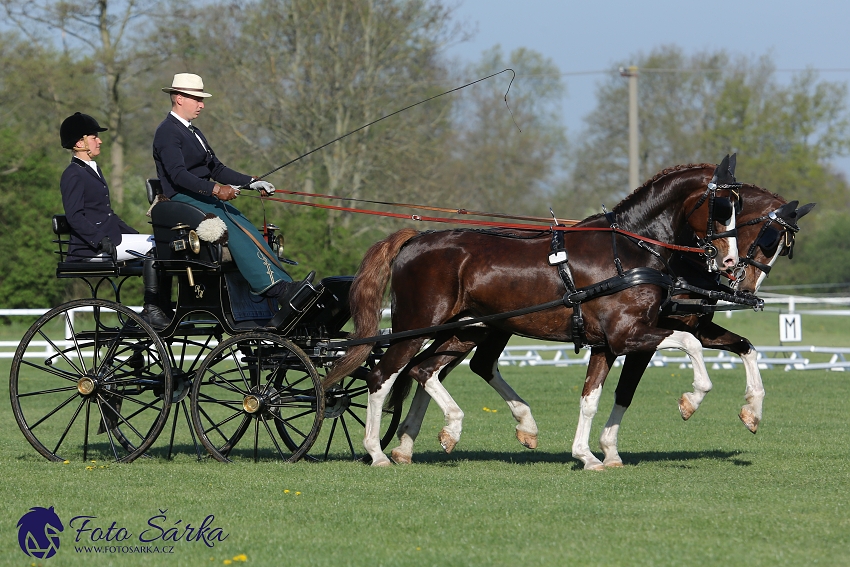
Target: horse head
(687,201)
(767,227)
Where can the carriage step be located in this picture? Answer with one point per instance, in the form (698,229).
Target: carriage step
(303,298)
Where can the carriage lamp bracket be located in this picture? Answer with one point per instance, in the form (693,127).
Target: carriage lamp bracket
(275,240)
(187,239)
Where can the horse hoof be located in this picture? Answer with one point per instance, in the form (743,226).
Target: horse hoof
(750,420)
(385,462)
(400,457)
(447,441)
(528,440)
(597,466)
(685,407)
(613,463)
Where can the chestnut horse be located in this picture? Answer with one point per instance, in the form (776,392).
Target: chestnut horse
(438,277)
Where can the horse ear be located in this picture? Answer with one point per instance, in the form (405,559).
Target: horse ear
(786,211)
(732,162)
(804,210)
(720,170)
(725,172)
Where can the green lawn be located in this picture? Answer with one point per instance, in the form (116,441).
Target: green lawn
(702,492)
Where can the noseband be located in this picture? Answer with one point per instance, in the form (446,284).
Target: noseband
(769,240)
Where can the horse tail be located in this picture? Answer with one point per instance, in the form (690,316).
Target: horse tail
(365,297)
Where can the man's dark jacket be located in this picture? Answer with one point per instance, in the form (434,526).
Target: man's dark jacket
(182,163)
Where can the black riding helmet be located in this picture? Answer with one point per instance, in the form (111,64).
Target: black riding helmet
(77,126)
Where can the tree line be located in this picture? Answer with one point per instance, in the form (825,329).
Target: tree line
(290,75)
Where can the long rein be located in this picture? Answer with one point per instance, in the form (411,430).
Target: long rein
(475,222)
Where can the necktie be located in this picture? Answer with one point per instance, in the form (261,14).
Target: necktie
(192,129)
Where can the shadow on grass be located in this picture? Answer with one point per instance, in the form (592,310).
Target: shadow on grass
(682,458)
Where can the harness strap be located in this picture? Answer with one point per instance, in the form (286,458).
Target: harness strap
(559,257)
(447,326)
(631,278)
(609,216)
(682,285)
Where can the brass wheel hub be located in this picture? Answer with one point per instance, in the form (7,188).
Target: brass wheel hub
(86,386)
(251,403)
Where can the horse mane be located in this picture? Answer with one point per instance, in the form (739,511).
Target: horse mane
(663,173)
(768,191)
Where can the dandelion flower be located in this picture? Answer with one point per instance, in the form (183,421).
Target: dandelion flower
(286,491)
(66,462)
(241,557)
(227,562)
(297,494)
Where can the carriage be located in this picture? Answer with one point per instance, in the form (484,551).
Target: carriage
(91,377)
(231,375)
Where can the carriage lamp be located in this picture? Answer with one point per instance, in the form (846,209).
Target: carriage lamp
(275,240)
(188,239)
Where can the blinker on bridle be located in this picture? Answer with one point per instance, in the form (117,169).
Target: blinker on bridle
(720,209)
(768,241)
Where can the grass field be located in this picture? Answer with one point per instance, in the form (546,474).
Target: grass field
(702,492)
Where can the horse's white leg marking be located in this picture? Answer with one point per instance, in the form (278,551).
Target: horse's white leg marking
(450,434)
(690,401)
(608,439)
(374,410)
(526,429)
(581,445)
(409,428)
(754,394)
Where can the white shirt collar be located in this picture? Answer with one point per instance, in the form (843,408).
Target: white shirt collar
(91,163)
(182,120)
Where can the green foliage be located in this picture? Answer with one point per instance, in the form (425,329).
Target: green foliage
(697,109)
(821,253)
(29,197)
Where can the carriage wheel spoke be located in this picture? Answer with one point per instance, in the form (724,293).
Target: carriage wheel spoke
(106,426)
(330,440)
(273,438)
(61,352)
(58,372)
(53,411)
(347,436)
(70,423)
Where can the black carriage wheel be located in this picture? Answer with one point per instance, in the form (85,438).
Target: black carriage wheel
(84,369)
(185,354)
(257,396)
(345,420)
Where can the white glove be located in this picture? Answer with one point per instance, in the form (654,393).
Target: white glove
(236,188)
(263,186)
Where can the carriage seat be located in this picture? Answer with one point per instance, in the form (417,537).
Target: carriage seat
(166,214)
(76,269)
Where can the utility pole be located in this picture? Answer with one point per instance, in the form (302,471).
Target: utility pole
(634,171)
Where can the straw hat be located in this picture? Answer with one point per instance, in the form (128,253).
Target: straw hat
(187,83)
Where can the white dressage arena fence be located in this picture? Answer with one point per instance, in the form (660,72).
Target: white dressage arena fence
(769,357)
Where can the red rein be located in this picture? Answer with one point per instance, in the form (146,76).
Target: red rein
(490,223)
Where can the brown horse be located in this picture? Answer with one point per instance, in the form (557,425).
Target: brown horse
(445,276)
(766,229)
(767,224)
